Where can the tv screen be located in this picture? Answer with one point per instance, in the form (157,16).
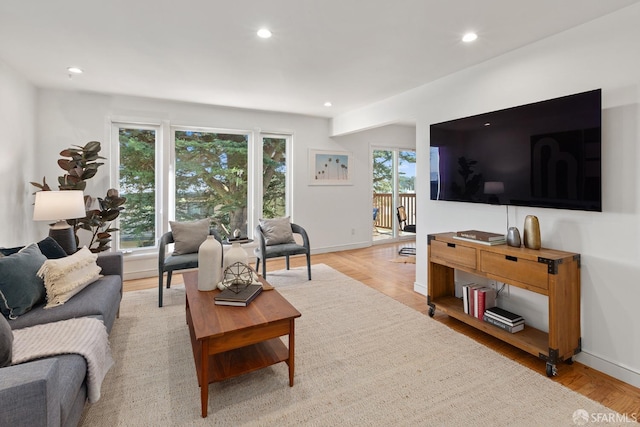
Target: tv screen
(546,154)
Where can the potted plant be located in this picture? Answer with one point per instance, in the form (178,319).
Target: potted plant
(81,164)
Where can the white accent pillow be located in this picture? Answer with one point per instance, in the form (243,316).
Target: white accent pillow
(188,236)
(277,231)
(65,277)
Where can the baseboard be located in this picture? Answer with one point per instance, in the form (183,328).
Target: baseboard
(622,373)
(420,288)
(339,248)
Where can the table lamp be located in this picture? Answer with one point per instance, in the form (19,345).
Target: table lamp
(60,206)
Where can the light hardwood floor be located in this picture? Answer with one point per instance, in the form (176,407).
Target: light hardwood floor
(373,267)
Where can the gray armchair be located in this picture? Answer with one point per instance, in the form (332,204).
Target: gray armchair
(264,251)
(171,263)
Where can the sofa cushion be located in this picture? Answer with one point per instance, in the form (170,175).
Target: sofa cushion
(65,277)
(99,299)
(20,287)
(188,236)
(48,246)
(277,231)
(6,342)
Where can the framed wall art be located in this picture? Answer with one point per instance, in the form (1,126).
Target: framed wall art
(328,167)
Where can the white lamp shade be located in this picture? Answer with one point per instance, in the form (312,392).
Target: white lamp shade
(59,205)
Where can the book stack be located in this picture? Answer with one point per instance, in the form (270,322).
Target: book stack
(240,299)
(504,319)
(477,298)
(482,237)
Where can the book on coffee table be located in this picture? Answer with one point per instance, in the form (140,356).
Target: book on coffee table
(240,299)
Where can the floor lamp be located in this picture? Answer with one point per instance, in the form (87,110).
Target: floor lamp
(60,206)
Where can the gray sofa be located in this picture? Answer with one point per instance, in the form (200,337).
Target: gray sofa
(53,391)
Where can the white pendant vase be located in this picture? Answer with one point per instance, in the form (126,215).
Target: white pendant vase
(209,264)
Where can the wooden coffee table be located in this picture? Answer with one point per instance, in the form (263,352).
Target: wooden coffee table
(230,341)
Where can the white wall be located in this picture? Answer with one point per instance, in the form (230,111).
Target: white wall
(17,143)
(336,217)
(601,54)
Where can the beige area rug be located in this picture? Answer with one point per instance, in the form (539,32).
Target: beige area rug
(362,359)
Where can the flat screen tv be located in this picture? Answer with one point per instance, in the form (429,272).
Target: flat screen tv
(546,154)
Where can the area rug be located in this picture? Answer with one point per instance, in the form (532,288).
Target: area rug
(362,359)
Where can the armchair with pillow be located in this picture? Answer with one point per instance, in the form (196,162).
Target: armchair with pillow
(187,238)
(275,239)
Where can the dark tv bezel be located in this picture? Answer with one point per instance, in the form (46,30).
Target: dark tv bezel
(503,114)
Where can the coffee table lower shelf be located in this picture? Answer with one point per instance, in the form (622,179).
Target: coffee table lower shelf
(242,360)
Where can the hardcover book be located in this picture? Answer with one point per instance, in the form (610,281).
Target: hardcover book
(241,299)
(506,316)
(502,320)
(504,326)
(482,242)
(485,298)
(484,236)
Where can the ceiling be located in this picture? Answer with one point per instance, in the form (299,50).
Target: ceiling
(349,52)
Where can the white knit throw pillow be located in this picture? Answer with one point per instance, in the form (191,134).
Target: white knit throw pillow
(65,277)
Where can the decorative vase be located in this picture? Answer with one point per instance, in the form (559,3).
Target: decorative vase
(209,264)
(513,237)
(235,254)
(532,232)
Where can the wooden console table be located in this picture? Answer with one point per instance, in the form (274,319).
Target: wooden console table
(555,274)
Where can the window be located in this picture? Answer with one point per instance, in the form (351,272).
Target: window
(274,176)
(137,182)
(211,178)
(188,173)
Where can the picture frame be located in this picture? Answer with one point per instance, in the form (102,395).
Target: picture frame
(330,167)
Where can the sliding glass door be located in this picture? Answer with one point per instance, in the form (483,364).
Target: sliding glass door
(393,184)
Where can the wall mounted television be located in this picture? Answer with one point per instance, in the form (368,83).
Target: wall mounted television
(545,154)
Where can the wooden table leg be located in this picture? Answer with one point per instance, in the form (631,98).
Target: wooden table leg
(204,377)
(291,350)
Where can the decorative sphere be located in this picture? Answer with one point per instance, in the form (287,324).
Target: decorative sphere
(237,276)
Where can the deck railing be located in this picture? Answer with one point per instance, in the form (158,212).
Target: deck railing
(386,217)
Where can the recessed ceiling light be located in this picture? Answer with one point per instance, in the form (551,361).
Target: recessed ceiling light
(469,37)
(75,70)
(264,33)
(328,104)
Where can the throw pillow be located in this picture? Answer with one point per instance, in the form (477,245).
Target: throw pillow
(20,287)
(48,246)
(6,342)
(65,277)
(277,231)
(188,236)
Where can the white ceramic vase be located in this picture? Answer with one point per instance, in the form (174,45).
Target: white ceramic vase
(235,254)
(209,264)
